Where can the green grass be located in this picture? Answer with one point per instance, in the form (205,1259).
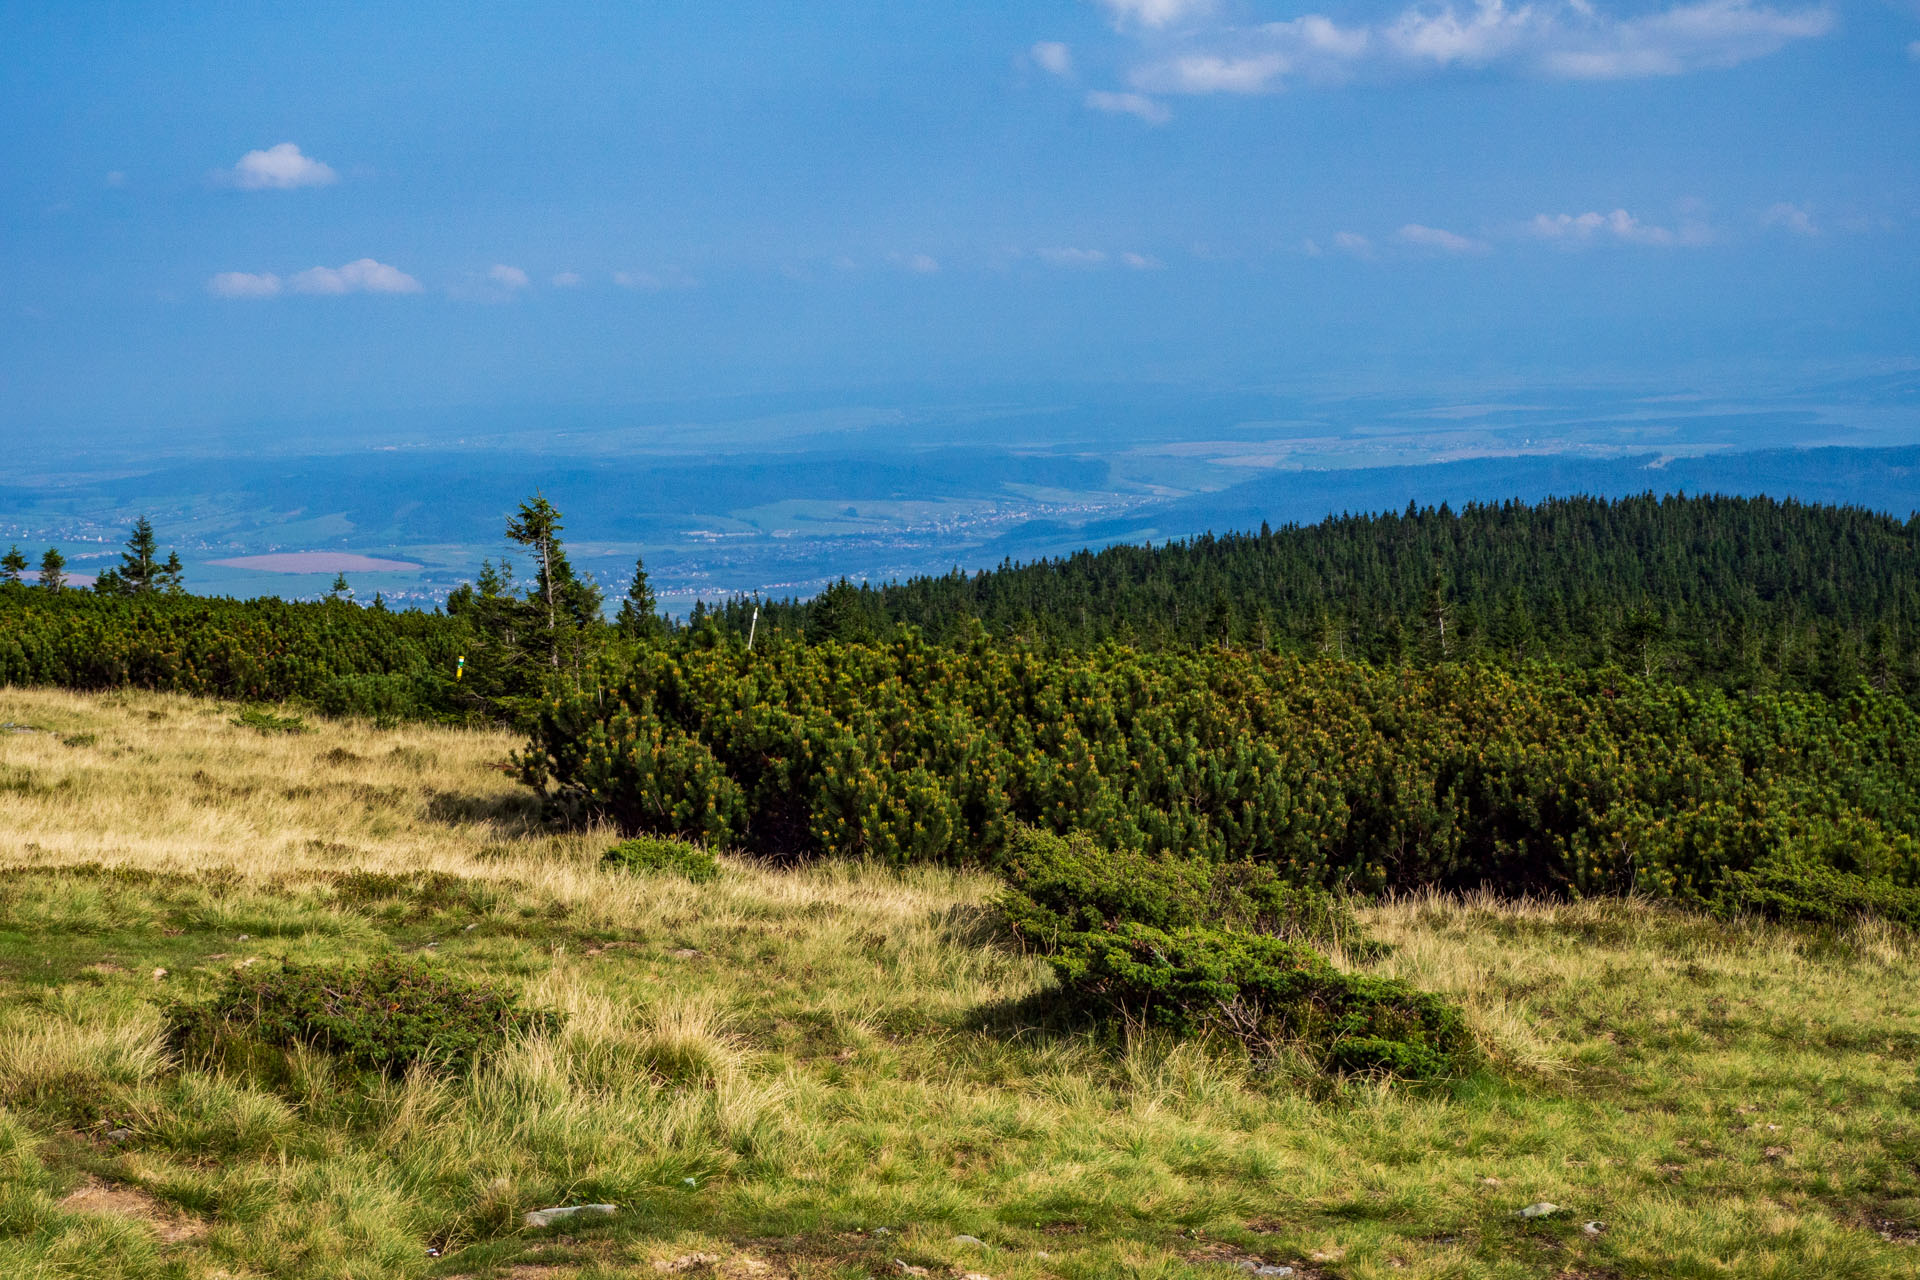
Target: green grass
(768,1069)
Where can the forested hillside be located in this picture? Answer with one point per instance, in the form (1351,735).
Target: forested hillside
(1734,591)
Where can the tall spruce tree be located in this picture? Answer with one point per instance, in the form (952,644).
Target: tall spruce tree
(12,565)
(53,570)
(141,571)
(639,615)
(566,606)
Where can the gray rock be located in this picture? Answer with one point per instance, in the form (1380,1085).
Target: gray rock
(119,1135)
(1594,1228)
(975,1240)
(1254,1267)
(1541,1210)
(547,1217)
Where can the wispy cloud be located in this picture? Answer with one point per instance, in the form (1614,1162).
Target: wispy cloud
(1352,242)
(1141,262)
(244,284)
(1051,55)
(1790,217)
(1131,104)
(1155,14)
(567,280)
(508,277)
(1068,257)
(363,275)
(1563,39)
(280,167)
(1619,226)
(1444,241)
(920,264)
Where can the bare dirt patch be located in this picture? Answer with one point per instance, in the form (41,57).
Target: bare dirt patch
(95,1196)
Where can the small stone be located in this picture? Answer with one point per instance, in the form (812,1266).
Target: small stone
(1594,1228)
(973,1240)
(547,1217)
(119,1135)
(1489,1182)
(908,1270)
(1775,1153)
(245,937)
(1540,1210)
(159,975)
(691,1182)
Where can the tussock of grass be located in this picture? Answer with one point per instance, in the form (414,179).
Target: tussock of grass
(839,1049)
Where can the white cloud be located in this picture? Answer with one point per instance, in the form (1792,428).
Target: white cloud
(1687,37)
(508,277)
(1790,217)
(566,280)
(1351,242)
(1141,262)
(1565,39)
(280,167)
(363,275)
(1444,241)
(1210,73)
(1620,226)
(243,284)
(1443,37)
(1053,56)
(1071,257)
(1155,13)
(1131,104)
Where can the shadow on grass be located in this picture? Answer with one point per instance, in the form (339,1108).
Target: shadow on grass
(509,815)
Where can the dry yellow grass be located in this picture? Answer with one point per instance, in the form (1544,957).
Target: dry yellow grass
(838,1049)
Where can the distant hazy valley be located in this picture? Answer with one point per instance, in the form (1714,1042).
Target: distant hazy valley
(781,498)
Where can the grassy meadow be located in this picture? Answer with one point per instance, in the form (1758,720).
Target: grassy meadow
(839,1071)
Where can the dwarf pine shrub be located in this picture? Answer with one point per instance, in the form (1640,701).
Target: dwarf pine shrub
(1796,890)
(1065,884)
(658,854)
(385,1016)
(1204,948)
(1266,993)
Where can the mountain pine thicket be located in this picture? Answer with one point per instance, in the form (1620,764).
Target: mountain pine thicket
(1736,592)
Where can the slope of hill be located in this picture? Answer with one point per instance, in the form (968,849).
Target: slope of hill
(841,1071)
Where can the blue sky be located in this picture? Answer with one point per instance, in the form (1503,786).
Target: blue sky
(213,216)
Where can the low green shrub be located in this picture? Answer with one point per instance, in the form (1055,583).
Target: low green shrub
(1204,948)
(657,853)
(1065,884)
(384,1016)
(1265,992)
(267,722)
(1797,891)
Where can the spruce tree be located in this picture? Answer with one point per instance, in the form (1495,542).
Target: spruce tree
(12,565)
(141,572)
(53,570)
(340,590)
(565,604)
(639,614)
